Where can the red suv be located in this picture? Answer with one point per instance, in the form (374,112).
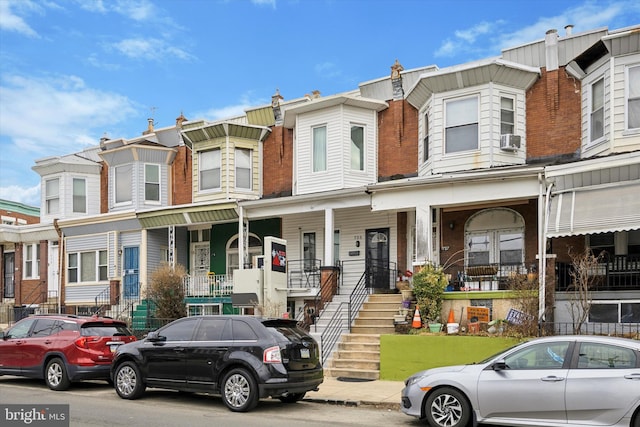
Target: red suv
(62,348)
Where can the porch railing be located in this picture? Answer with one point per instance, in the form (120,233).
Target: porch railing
(619,272)
(485,277)
(303,273)
(212,285)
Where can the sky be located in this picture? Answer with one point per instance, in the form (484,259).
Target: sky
(73,71)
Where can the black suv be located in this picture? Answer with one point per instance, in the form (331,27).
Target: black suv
(62,348)
(242,358)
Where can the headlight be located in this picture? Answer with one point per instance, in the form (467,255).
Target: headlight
(412,380)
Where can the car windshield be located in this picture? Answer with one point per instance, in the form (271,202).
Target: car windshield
(104,330)
(493,356)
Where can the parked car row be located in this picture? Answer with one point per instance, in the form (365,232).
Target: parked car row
(242,358)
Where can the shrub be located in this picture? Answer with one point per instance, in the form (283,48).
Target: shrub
(429,285)
(167,292)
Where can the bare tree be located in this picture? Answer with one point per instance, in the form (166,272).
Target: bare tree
(584,274)
(167,292)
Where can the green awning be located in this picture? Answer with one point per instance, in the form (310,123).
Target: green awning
(224,212)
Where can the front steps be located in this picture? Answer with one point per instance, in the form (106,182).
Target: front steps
(358,352)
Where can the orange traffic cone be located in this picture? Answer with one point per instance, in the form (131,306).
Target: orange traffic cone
(452,318)
(417,322)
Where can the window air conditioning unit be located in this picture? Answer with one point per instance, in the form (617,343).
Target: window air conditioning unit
(510,142)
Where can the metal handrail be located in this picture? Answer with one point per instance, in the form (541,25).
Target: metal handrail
(334,329)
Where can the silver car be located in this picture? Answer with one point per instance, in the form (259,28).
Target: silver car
(555,381)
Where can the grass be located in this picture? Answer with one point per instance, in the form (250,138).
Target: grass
(404,355)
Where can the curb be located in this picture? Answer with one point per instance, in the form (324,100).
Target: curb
(355,403)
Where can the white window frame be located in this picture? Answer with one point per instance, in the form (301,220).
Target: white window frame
(503,122)
(244,168)
(210,169)
(632,94)
(150,185)
(100,267)
(357,154)
(31,263)
(597,111)
(452,122)
(318,150)
(123,184)
(51,198)
(425,138)
(79,201)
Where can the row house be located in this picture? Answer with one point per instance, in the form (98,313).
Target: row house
(493,168)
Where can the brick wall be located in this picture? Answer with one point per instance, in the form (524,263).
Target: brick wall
(397,140)
(104,188)
(182,178)
(17,215)
(553,116)
(277,163)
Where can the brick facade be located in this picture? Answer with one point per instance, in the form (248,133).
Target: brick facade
(277,163)
(104,188)
(181,177)
(397,141)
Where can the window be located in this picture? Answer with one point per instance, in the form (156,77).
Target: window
(615,312)
(243,168)
(336,247)
(309,250)
(152,183)
(479,249)
(32,261)
(602,242)
(87,266)
(210,329)
(204,309)
(79,195)
(52,196)
(507,116)
(597,110)
(319,147)
(511,245)
(179,331)
(123,184)
(605,356)
(209,169)
(357,148)
(538,356)
(425,141)
(461,132)
(633,99)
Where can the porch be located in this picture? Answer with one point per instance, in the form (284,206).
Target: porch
(616,273)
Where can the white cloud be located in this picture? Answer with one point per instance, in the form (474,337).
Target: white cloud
(271,3)
(328,70)
(10,21)
(213,114)
(49,116)
(150,49)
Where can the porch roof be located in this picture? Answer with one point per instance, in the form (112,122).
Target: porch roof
(590,210)
(209,213)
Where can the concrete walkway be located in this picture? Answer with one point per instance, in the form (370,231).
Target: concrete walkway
(353,393)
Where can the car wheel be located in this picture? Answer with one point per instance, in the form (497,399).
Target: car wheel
(128,381)
(291,397)
(55,375)
(239,390)
(447,407)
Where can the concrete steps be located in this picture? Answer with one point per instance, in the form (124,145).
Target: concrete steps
(358,352)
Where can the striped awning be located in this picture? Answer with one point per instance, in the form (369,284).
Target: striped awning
(595,210)
(225,212)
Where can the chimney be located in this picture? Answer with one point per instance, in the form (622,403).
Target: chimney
(551,50)
(149,128)
(275,105)
(316,94)
(568,29)
(103,141)
(396,80)
(180,120)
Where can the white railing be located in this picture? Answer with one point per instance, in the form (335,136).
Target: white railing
(218,285)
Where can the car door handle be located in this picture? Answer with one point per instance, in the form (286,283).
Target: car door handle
(633,377)
(48,342)
(552,378)
(178,349)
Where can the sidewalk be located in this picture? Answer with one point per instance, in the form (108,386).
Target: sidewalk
(354,393)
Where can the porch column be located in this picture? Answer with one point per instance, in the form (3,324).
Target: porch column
(424,242)
(171,234)
(328,237)
(241,248)
(144,254)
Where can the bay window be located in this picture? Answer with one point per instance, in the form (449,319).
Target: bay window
(633,97)
(243,168)
(597,110)
(357,147)
(319,148)
(209,164)
(79,195)
(461,125)
(152,183)
(123,185)
(52,195)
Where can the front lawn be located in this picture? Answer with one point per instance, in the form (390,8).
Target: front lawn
(404,355)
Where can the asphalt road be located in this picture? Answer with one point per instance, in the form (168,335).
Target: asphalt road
(95,403)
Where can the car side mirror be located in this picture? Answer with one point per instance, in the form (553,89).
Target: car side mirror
(154,336)
(499,365)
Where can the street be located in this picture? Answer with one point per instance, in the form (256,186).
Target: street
(95,403)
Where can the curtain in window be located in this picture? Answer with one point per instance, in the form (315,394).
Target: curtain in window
(597,110)
(152,183)
(243,168)
(462,125)
(52,189)
(357,148)
(209,166)
(319,149)
(79,195)
(88,267)
(634,98)
(506,116)
(124,175)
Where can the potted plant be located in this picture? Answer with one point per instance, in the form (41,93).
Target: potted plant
(429,285)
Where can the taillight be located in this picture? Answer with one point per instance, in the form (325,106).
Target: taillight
(272,355)
(83,342)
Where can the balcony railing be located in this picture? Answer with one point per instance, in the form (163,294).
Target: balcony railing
(212,285)
(489,277)
(303,273)
(617,273)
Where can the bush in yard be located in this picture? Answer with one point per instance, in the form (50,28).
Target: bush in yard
(167,292)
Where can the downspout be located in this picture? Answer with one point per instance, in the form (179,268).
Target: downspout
(61,257)
(543,251)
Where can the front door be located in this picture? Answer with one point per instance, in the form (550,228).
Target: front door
(52,286)
(9,277)
(377,258)
(131,272)
(200,258)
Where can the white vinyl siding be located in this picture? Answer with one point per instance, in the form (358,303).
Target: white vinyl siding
(339,172)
